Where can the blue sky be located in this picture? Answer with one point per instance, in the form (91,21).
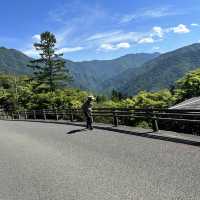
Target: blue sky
(100,29)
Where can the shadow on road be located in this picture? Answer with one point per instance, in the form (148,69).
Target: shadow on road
(77,131)
(147,134)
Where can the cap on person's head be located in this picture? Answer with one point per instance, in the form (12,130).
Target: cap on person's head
(91,98)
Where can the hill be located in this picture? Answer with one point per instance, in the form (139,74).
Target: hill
(160,72)
(91,74)
(88,75)
(128,74)
(13,61)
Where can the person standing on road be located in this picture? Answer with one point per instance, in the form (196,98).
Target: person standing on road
(87,110)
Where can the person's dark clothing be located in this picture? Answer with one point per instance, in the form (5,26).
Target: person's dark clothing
(87,109)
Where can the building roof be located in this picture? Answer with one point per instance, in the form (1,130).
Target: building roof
(193,103)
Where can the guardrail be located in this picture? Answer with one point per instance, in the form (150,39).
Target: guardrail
(154,116)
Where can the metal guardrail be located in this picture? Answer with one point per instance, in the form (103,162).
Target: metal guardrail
(152,115)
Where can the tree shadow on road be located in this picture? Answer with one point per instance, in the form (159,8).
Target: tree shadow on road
(77,131)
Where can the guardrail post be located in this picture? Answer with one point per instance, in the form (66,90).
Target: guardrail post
(71,116)
(7,115)
(12,115)
(115,119)
(155,124)
(25,113)
(63,115)
(44,114)
(34,114)
(18,115)
(57,114)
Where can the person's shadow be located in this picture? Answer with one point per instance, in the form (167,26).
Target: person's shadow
(77,131)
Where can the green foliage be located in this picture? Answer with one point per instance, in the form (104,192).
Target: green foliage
(50,68)
(161,99)
(59,99)
(100,99)
(22,93)
(116,96)
(188,86)
(127,103)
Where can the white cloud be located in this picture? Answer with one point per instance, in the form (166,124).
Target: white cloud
(115,37)
(150,13)
(36,38)
(108,40)
(135,37)
(71,13)
(69,49)
(31,52)
(194,24)
(158,31)
(128,18)
(107,47)
(62,37)
(158,12)
(146,40)
(181,28)
(123,45)
(104,35)
(155,48)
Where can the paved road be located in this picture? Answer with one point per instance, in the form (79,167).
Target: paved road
(43,162)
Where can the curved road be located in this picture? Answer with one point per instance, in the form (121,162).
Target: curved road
(41,161)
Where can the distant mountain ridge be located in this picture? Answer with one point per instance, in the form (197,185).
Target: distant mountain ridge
(91,74)
(128,74)
(163,71)
(13,61)
(87,74)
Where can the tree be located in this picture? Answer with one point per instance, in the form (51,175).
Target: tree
(100,98)
(116,96)
(160,99)
(49,69)
(188,86)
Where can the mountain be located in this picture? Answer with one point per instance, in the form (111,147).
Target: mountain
(91,74)
(158,73)
(13,61)
(87,74)
(128,74)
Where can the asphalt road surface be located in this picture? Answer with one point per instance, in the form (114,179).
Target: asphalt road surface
(41,161)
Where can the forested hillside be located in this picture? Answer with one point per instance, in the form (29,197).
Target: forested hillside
(92,74)
(128,74)
(88,75)
(163,71)
(13,61)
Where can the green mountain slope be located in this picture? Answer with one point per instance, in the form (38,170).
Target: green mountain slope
(87,74)
(161,72)
(13,61)
(128,74)
(91,74)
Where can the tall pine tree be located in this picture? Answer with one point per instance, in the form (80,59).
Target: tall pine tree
(49,69)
